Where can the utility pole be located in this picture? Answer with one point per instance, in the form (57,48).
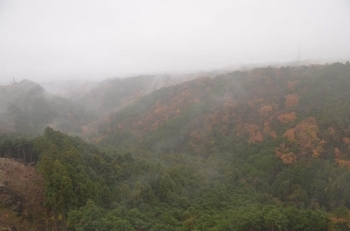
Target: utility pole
(13,80)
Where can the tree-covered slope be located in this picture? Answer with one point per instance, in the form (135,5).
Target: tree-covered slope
(26,108)
(249,188)
(305,107)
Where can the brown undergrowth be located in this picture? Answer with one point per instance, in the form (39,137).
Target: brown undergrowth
(21,196)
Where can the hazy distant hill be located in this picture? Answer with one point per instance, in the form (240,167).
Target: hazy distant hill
(27,108)
(113,94)
(68,88)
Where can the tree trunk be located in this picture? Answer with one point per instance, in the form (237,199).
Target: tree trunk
(64,221)
(54,218)
(24,154)
(30,156)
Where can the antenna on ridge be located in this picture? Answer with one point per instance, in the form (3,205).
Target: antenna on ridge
(13,80)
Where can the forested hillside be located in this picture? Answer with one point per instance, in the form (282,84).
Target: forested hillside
(260,105)
(26,108)
(264,149)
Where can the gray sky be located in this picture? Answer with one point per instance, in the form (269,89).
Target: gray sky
(46,40)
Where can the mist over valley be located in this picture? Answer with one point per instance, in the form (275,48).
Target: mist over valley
(174,115)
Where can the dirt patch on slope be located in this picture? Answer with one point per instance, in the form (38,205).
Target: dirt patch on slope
(21,196)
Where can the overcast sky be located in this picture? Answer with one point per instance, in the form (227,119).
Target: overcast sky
(77,39)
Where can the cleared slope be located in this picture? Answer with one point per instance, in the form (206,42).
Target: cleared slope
(21,196)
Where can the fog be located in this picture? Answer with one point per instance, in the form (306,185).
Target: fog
(45,40)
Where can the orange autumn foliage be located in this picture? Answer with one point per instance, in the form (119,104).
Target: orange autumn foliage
(258,137)
(251,103)
(331,132)
(268,132)
(213,119)
(287,118)
(255,101)
(273,134)
(285,155)
(343,163)
(291,84)
(84,129)
(254,134)
(196,136)
(318,150)
(337,153)
(280,150)
(339,160)
(292,100)
(290,135)
(346,140)
(267,129)
(266,110)
(225,119)
(305,136)
(229,104)
(155,125)
(289,158)
(260,100)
